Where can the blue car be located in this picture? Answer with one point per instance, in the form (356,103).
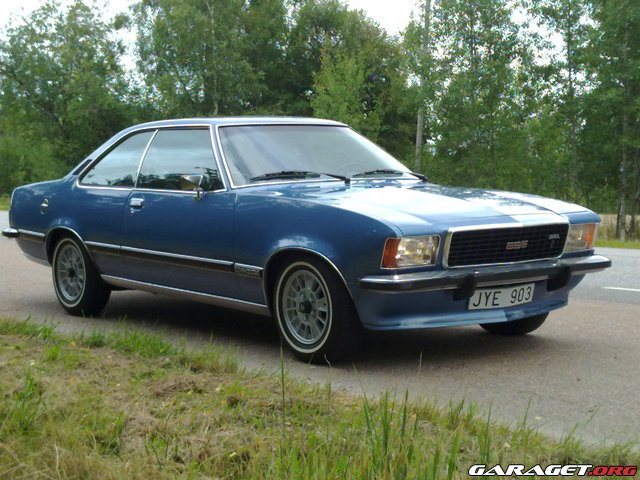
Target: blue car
(303,220)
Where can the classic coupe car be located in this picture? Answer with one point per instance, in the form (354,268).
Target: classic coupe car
(304,220)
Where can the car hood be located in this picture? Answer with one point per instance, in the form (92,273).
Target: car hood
(415,208)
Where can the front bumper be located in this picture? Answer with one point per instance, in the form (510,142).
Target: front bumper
(464,281)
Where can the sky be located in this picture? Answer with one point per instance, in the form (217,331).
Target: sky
(393,16)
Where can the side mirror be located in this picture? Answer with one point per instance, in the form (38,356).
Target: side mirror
(192,182)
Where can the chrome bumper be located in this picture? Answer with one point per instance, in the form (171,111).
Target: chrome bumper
(465,280)
(10,232)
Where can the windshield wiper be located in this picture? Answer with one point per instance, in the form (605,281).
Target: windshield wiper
(383,171)
(297,174)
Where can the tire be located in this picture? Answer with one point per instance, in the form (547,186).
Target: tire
(516,327)
(76,281)
(314,312)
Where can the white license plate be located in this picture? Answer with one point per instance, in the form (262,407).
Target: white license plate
(501,297)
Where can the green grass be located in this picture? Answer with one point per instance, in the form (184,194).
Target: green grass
(4,202)
(618,243)
(130,405)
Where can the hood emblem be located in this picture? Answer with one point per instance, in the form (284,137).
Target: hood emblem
(519,245)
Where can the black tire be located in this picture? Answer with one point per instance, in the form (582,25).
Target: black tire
(516,327)
(326,313)
(76,281)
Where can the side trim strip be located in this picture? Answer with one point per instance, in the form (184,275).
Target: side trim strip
(247,270)
(187,260)
(31,235)
(103,248)
(216,300)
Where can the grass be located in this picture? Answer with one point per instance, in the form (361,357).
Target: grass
(130,405)
(618,243)
(607,234)
(4,202)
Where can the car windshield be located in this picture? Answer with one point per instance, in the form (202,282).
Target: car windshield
(254,153)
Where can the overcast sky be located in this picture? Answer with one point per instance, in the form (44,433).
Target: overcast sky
(393,16)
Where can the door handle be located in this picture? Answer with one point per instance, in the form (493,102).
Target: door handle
(136,202)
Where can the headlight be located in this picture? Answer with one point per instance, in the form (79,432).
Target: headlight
(581,237)
(410,251)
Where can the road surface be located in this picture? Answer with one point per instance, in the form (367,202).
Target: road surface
(579,368)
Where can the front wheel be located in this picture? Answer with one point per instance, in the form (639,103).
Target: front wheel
(516,327)
(314,312)
(78,286)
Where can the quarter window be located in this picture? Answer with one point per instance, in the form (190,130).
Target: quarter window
(118,168)
(178,152)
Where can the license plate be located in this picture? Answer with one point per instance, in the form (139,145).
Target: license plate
(501,297)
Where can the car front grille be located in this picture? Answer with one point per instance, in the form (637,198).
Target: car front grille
(506,245)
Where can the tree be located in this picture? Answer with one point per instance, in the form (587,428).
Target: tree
(569,19)
(475,107)
(62,89)
(192,56)
(265,24)
(327,44)
(341,93)
(419,45)
(614,59)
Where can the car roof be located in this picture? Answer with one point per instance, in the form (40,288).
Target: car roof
(243,120)
(213,121)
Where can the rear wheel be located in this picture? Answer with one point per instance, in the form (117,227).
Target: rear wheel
(78,286)
(314,312)
(516,327)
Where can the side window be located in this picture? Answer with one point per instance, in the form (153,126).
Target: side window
(118,168)
(179,152)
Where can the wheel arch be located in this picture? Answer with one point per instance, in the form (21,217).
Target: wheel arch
(55,234)
(278,259)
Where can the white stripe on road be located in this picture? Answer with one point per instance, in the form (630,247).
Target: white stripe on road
(622,288)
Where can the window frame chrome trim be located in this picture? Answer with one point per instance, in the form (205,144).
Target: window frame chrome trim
(147,128)
(232,184)
(144,154)
(100,157)
(466,228)
(208,126)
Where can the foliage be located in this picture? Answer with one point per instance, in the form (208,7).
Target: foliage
(338,83)
(540,96)
(130,405)
(63,91)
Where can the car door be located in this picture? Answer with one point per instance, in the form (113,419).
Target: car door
(173,235)
(100,196)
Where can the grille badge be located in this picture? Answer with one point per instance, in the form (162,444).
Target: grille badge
(519,245)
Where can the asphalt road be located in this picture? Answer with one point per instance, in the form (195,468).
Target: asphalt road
(580,368)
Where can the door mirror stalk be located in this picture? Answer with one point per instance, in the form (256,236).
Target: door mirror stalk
(193,182)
